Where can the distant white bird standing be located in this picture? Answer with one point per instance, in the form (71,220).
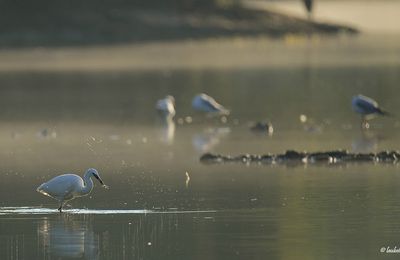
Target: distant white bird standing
(367,107)
(205,103)
(69,186)
(166,106)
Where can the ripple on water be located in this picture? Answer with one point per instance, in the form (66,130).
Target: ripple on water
(39,210)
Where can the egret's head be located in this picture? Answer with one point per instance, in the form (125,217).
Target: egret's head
(94,172)
(171,98)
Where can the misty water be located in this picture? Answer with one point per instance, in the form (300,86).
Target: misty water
(67,121)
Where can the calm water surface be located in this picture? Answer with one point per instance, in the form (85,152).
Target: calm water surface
(56,122)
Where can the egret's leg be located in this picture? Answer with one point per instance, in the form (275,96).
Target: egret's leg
(364,123)
(61,205)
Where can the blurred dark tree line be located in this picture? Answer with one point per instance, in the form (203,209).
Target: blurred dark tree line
(46,5)
(49,22)
(87,22)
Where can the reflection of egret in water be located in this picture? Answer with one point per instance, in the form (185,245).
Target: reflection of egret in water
(366,142)
(68,236)
(99,234)
(166,129)
(120,236)
(206,141)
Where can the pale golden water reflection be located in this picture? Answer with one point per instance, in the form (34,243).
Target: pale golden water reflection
(56,122)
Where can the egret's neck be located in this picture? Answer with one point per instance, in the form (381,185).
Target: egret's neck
(88,184)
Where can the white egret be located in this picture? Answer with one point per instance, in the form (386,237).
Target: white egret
(367,107)
(166,109)
(166,106)
(205,103)
(69,186)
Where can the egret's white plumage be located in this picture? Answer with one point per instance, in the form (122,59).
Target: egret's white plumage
(367,107)
(205,103)
(166,106)
(66,187)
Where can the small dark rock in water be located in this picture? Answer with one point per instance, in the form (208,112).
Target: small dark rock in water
(330,156)
(266,158)
(339,154)
(262,127)
(360,157)
(248,158)
(290,155)
(255,157)
(386,156)
(319,157)
(244,158)
(211,158)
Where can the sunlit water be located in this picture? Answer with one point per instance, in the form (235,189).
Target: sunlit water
(162,202)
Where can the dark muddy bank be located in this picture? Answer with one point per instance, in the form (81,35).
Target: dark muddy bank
(294,157)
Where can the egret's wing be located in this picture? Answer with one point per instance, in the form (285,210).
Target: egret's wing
(161,104)
(212,106)
(61,187)
(166,106)
(367,105)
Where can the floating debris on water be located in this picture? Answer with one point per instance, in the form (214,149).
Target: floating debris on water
(224,119)
(303,118)
(47,134)
(180,121)
(295,157)
(188,119)
(187,180)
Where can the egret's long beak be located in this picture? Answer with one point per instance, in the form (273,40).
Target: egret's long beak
(98,178)
(101,182)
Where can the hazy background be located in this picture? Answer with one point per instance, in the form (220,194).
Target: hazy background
(78,86)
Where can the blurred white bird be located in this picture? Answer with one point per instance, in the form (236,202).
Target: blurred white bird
(367,107)
(166,106)
(205,103)
(69,186)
